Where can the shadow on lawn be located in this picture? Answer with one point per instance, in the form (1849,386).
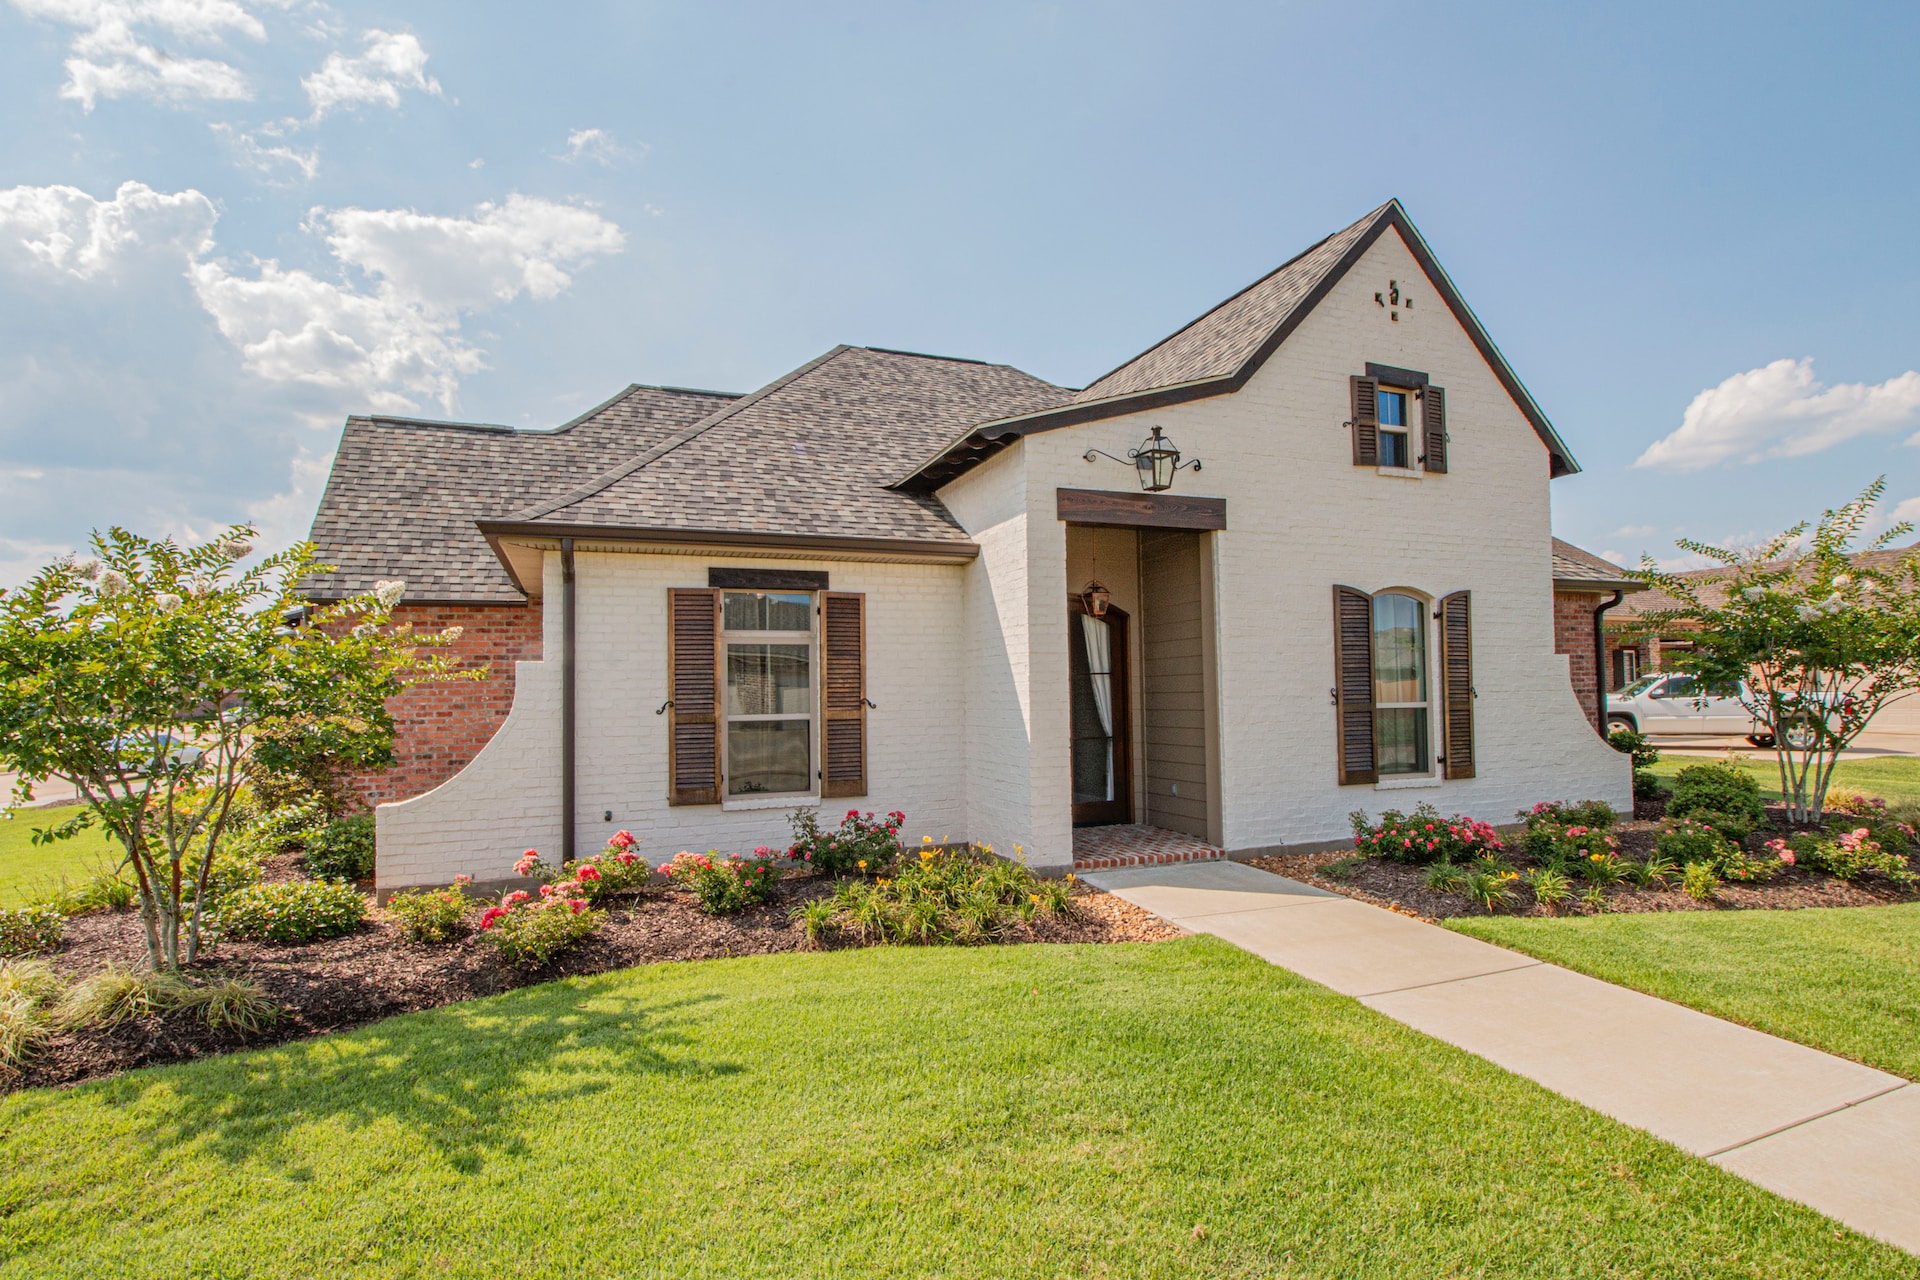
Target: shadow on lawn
(462,1080)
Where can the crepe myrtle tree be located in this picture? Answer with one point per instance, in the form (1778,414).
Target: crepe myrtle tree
(1822,641)
(142,674)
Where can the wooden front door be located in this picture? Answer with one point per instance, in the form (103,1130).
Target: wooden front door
(1097,687)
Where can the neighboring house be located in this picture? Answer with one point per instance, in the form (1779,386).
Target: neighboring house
(905,582)
(1586,589)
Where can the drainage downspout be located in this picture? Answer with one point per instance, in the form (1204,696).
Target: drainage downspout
(1599,657)
(566,700)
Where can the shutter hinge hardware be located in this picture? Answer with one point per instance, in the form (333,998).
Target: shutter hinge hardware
(662,708)
(871,703)
(1333,696)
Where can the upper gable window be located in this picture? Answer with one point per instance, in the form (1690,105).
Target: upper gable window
(1395,446)
(1399,421)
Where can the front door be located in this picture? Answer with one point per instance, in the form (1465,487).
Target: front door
(1097,688)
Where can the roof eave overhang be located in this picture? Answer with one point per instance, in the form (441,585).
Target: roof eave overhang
(989,438)
(1627,585)
(500,534)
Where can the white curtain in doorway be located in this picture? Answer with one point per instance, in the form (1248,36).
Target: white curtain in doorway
(1099,638)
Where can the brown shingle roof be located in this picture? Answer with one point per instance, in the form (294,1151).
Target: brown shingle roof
(1575,568)
(811,454)
(404,493)
(1710,585)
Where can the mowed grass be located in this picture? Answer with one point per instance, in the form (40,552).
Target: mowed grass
(1843,979)
(1174,1109)
(28,870)
(1895,779)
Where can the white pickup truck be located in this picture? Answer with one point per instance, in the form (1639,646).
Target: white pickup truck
(1673,703)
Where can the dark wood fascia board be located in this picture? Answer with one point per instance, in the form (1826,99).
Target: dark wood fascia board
(1119,509)
(1595,586)
(1561,460)
(1390,376)
(747,578)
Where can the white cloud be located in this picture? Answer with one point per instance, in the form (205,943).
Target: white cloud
(392,62)
(270,159)
(115,54)
(1907,512)
(68,230)
(1634,531)
(379,346)
(284,518)
(593,144)
(1781,411)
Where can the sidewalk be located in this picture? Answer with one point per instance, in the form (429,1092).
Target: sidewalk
(1830,1133)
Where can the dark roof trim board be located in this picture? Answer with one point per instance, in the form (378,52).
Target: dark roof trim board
(722,541)
(989,438)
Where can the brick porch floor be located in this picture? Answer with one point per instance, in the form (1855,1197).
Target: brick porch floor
(1134,845)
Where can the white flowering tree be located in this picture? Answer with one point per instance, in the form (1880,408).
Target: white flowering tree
(142,674)
(1823,640)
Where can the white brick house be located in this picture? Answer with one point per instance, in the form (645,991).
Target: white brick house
(868,584)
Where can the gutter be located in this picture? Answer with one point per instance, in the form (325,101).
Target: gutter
(566,700)
(1600,657)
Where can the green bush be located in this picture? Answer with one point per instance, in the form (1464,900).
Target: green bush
(948,895)
(1559,847)
(33,928)
(1647,785)
(616,869)
(1683,841)
(1735,827)
(1563,813)
(342,850)
(1422,837)
(1717,788)
(1698,880)
(430,915)
(530,931)
(1638,745)
(861,845)
(1853,853)
(723,884)
(290,911)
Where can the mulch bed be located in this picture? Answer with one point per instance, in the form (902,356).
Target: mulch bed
(374,973)
(1403,888)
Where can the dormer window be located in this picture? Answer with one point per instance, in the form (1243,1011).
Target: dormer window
(1395,413)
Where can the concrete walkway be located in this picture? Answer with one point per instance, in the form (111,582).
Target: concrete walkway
(1830,1133)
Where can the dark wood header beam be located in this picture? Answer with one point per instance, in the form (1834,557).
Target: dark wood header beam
(1140,510)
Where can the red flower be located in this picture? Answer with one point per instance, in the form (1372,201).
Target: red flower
(493,913)
(587,873)
(578,904)
(622,840)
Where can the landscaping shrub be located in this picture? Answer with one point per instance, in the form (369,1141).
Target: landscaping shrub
(291,911)
(1853,853)
(1447,878)
(1559,847)
(1551,889)
(28,990)
(1583,813)
(1717,788)
(431,915)
(1602,869)
(1422,837)
(1698,880)
(1735,827)
(1855,804)
(341,850)
(860,844)
(307,760)
(1685,841)
(816,915)
(616,869)
(27,930)
(529,930)
(948,895)
(1647,785)
(724,884)
(1491,885)
(236,864)
(116,995)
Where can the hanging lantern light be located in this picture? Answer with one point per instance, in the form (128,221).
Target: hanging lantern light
(1155,462)
(1096,598)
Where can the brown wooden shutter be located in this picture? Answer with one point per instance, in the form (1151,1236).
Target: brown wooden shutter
(843,694)
(1456,682)
(693,684)
(1366,420)
(1433,421)
(1353,688)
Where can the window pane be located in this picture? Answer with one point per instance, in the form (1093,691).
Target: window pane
(767,680)
(767,611)
(1399,649)
(1393,408)
(1393,449)
(1401,741)
(769,756)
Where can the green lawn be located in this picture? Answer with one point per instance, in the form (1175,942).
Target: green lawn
(1150,1110)
(1845,979)
(28,869)
(1892,778)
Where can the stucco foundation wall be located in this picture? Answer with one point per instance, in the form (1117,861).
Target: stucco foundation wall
(1301,518)
(507,799)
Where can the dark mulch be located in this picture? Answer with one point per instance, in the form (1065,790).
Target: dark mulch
(374,973)
(1404,888)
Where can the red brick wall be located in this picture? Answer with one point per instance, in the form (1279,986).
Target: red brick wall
(440,727)
(1573,636)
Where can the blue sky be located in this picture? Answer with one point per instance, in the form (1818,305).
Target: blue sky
(225,224)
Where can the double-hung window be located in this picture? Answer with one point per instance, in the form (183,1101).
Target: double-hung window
(768,641)
(1396,440)
(1401,717)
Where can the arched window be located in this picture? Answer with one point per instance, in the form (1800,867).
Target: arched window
(1401,713)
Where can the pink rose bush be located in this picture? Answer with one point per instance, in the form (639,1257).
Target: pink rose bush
(724,884)
(861,844)
(530,930)
(1423,837)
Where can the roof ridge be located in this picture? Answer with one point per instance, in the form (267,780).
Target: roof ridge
(614,474)
(928,355)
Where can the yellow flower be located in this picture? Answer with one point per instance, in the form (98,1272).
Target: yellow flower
(1034,898)
(1070,877)
(863,864)
(926,839)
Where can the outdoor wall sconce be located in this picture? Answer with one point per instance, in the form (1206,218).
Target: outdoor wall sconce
(1096,598)
(1156,462)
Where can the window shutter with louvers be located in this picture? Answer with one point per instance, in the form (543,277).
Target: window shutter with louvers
(1456,680)
(1353,688)
(843,694)
(1433,428)
(693,685)
(1366,420)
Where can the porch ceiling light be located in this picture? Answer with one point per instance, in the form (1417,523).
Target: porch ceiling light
(1155,462)
(1096,598)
